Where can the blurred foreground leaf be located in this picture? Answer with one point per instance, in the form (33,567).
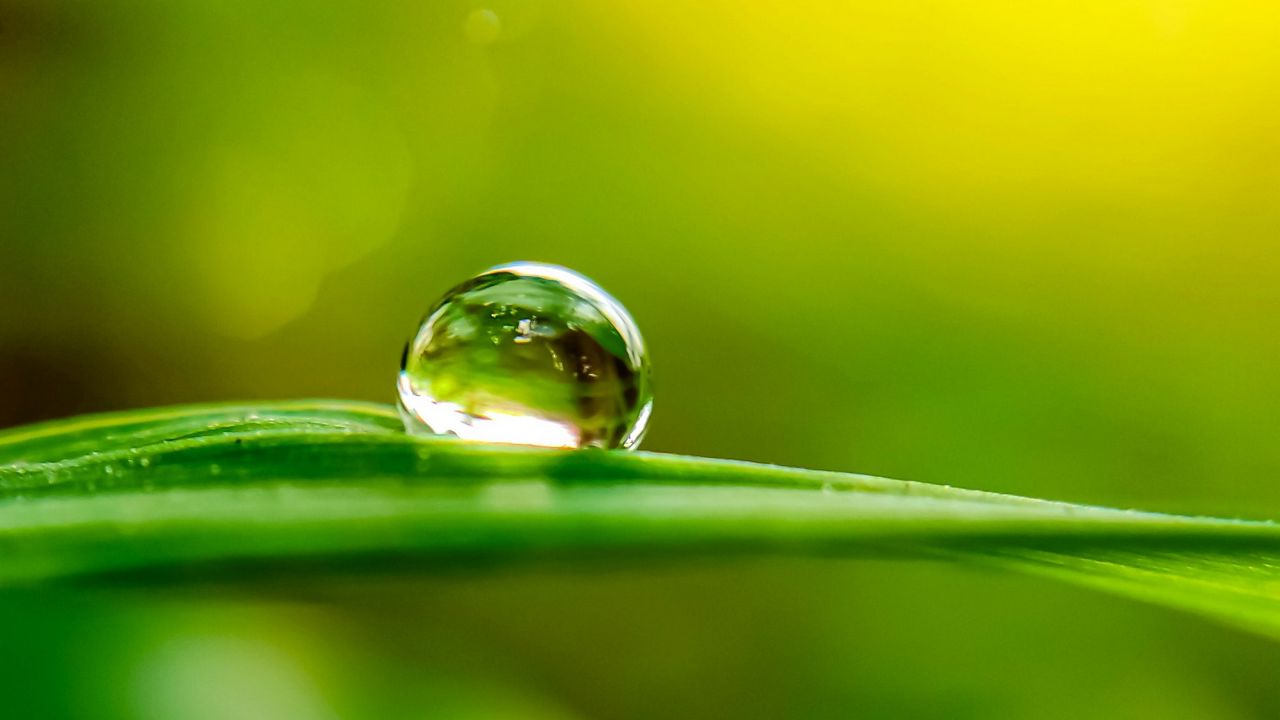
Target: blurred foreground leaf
(316,486)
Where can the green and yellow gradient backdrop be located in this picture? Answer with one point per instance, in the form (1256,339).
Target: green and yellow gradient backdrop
(1024,247)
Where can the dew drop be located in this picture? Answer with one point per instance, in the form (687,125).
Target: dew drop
(528,354)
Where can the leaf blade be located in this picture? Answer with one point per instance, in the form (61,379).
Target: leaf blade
(322,483)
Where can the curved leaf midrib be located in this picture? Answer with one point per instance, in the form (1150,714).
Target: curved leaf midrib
(438,458)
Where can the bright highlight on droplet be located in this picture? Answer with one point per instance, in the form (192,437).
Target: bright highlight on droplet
(528,354)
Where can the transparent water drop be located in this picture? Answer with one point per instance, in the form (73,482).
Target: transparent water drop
(528,354)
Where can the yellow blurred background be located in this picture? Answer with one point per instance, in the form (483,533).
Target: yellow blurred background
(1028,248)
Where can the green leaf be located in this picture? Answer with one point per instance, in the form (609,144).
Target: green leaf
(312,486)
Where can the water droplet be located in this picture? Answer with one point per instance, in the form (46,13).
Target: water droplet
(528,354)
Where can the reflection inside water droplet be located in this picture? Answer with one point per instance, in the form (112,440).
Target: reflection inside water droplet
(528,354)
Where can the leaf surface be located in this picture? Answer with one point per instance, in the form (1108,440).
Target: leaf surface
(309,486)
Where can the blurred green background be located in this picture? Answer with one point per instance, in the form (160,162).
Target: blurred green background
(1029,248)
